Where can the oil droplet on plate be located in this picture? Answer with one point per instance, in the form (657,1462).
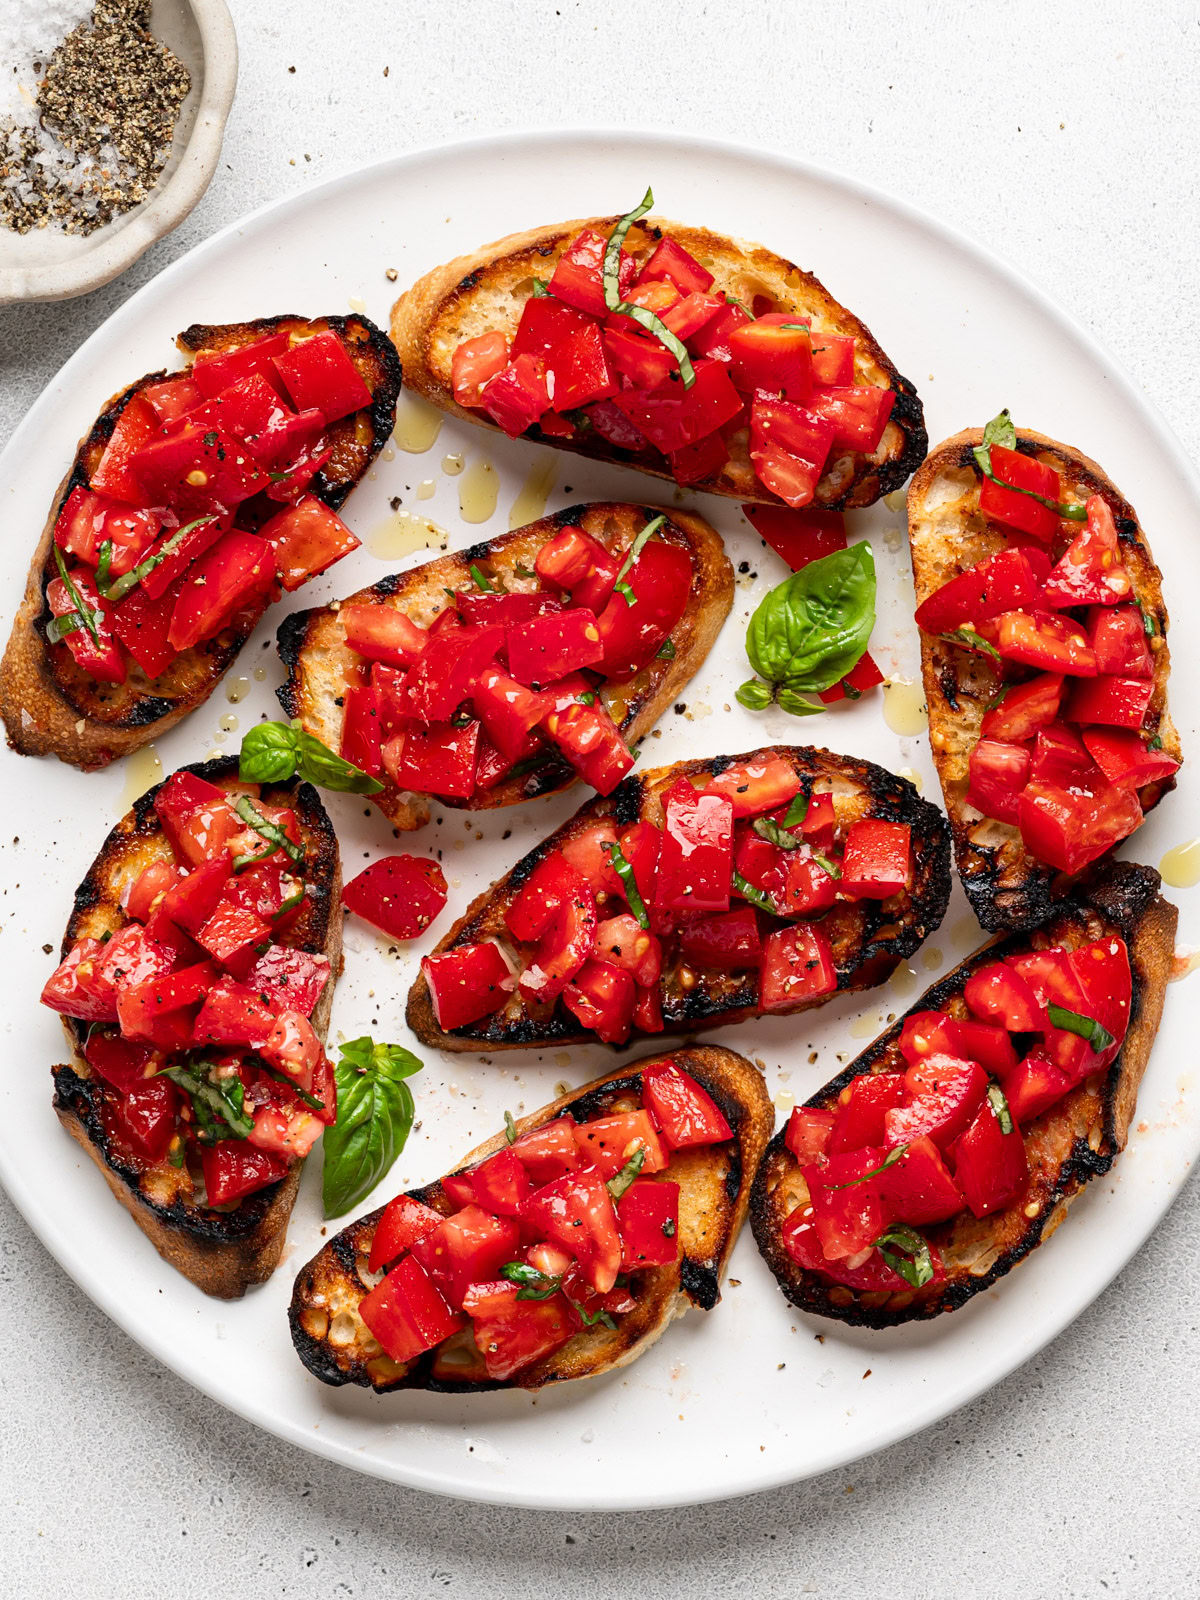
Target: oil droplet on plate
(401,534)
(453,465)
(237,689)
(143,770)
(478,491)
(913,776)
(904,980)
(228,723)
(417,423)
(426,489)
(863,1027)
(530,504)
(784,1101)
(1181,867)
(904,707)
(260,674)
(357,303)
(931,958)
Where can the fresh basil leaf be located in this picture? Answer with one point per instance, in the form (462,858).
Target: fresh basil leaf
(290,904)
(639,544)
(531,1284)
(130,580)
(633,894)
(270,831)
(970,640)
(104,565)
(375,1117)
(482,581)
(540,291)
(591,1318)
(811,630)
(624,589)
(510,1128)
(1155,743)
(612,251)
(666,651)
(767,828)
(1149,626)
(655,325)
(797,705)
(998,1101)
(906,1252)
(1000,430)
(587,698)
(317,763)
(269,753)
(523,572)
(798,810)
(87,617)
(1096,1034)
(889,1160)
(823,861)
(59,627)
(620,1181)
(755,896)
(218,1103)
(754,695)
(282,1077)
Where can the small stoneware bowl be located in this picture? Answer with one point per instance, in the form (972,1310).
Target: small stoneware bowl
(46,264)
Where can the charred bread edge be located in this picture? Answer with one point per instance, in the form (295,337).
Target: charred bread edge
(222,1252)
(1029,905)
(892,797)
(713,571)
(415,312)
(738,1089)
(25,674)
(1128,898)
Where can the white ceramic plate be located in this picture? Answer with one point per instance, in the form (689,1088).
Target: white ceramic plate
(754,1394)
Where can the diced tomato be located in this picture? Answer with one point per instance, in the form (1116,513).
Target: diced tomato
(797,968)
(671,416)
(578,276)
(609,1143)
(641,845)
(697,462)
(145,1117)
(232,1014)
(648,1219)
(229,575)
(728,943)
(548,647)
(319,373)
(231,934)
(214,371)
(1090,571)
(498,1185)
(546,321)
(447,669)
(712,338)
(918,1188)
(289,979)
(552,886)
(516,397)
(482,609)
(1060,756)
(1125,759)
(193,539)
(362,738)
(141,894)
(803,1244)
(671,261)
(467,982)
(859,413)
(930,1033)
(602,996)
(1118,636)
(756,787)
(809,888)
(863,675)
(1047,641)
(789,447)
(192,899)
(307,538)
(615,428)
(647,1010)
(833,358)
(70,991)
(819,820)
(661,582)
(467,1248)
(1102,968)
(439,759)
(696,857)
(233,1169)
(1024,709)
(641,359)
(512,1334)
(1008,580)
(403,1222)
(947,1091)
(172,398)
(1069,828)
(589,739)
(685,1112)
(196,465)
(401,895)
(998,775)
(848,1215)
(799,536)
(293,1048)
(89,520)
(548,1152)
(587,852)
(407,1314)
(808,1133)
(997,993)
(476,362)
(878,858)
(862,1104)
(773,354)
(1017,510)
(990,1167)
(249,411)
(576,1212)
(1115,702)
(766,868)
(624,943)
(162,1011)
(142,624)
(99,657)
(578,371)
(124,1064)
(135,426)
(576,562)
(1052,976)
(1036,1085)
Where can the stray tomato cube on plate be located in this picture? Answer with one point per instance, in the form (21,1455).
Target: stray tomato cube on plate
(401,895)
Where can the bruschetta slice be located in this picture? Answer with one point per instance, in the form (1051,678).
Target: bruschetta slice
(505,671)
(711,362)
(195,988)
(1045,663)
(560,1249)
(954,1144)
(195,497)
(693,896)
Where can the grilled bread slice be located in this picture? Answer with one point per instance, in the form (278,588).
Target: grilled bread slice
(714,1180)
(49,705)
(223,1250)
(486,290)
(869,938)
(948,533)
(1075,1140)
(313,643)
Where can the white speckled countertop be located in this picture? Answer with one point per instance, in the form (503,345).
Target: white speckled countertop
(1064,136)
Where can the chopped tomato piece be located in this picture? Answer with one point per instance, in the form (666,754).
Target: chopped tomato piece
(1068,828)
(918,1188)
(576,1212)
(1118,636)
(809,888)
(647,1011)
(578,276)
(661,583)
(610,1143)
(808,1133)
(1018,510)
(119,1061)
(498,1185)
(799,536)
(685,1112)
(648,1219)
(671,261)
(548,647)
(578,370)
(135,426)
(196,465)
(231,934)
(307,538)
(545,322)
(878,858)
(516,397)
(403,1222)
(1090,572)
(233,1169)
(998,993)
(1024,708)
(930,1033)
(642,360)
(469,1247)
(704,459)
(848,1215)
(1006,581)
(803,1244)
(476,362)
(232,1014)
(797,967)
(100,657)
(162,1011)
(1036,1085)
(172,398)
(401,895)
(229,575)
(407,1314)
(862,1105)
(789,447)
(671,416)
(319,374)
(641,845)
(947,1091)
(548,1152)
(712,338)
(89,520)
(1115,702)
(362,737)
(576,562)
(467,982)
(512,1334)
(589,739)
(142,624)
(70,991)
(214,371)
(193,540)
(819,820)
(446,670)
(601,995)
(990,1167)
(439,759)
(1049,642)
(863,675)
(145,1117)
(193,898)
(141,894)
(588,852)
(755,787)
(773,354)
(289,979)
(728,943)
(833,358)
(1125,759)
(858,412)
(624,943)
(696,857)
(504,610)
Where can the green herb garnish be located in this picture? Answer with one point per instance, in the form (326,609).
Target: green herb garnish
(767,828)
(273,752)
(639,314)
(907,1253)
(1096,1034)
(218,1103)
(755,896)
(375,1117)
(999,1104)
(1000,430)
(130,580)
(633,894)
(510,1128)
(270,831)
(665,651)
(482,581)
(889,1160)
(81,617)
(971,641)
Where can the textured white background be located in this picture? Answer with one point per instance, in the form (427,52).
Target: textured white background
(1064,136)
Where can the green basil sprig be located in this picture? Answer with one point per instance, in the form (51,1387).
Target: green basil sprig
(907,1253)
(273,752)
(756,897)
(767,828)
(797,811)
(374,1120)
(531,1284)
(998,1101)
(1000,430)
(130,580)
(889,1160)
(639,314)
(218,1103)
(971,640)
(482,581)
(270,831)
(1096,1034)
(666,651)
(81,617)
(620,1181)
(510,1128)
(811,630)
(633,894)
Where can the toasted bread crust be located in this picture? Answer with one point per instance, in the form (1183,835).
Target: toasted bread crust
(224,1251)
(869,938)
(1072,1142)
(313,648)
(49,705)
(714,1193)
(948,533)
(486,290)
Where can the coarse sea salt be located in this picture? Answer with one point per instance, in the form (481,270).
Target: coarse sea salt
(30,32)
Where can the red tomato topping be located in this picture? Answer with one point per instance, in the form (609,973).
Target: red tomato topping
(307,538)
(576,1212)
(512,1334)
(319,374)
(401,895)
(797,967)
(406,1313)
(610,1143)
(1090,572)
(467,983)
(233,1169)
(1006,581)
(798,536)
(755,787)
(648,1217)
(878,858)
(602,996)
(403,1222)
(990,1167)
(684,1111)
(1018,510)
(696,857)
(808,1133)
